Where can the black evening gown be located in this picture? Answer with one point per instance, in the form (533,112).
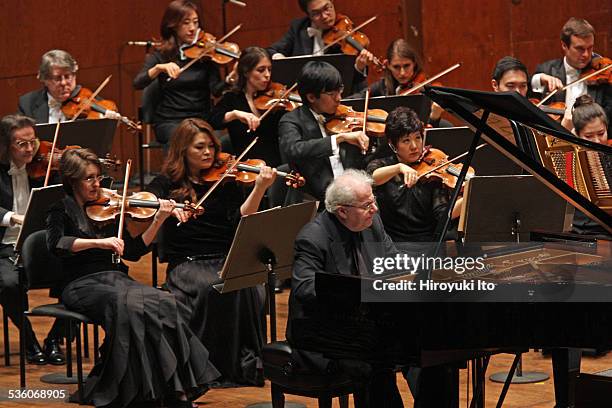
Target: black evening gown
(149,353)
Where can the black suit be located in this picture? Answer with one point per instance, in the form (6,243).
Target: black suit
(602,94)
(306,150)
(35,105)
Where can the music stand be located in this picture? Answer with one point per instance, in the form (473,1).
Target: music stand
(487,161)
(96,135)
(494,214)
(36,213)
(286,70)
(258,257)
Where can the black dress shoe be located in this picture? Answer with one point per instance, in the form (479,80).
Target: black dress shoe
(54,353)
(34,355)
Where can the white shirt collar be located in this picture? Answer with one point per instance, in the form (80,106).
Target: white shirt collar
(569,70)
(14,170)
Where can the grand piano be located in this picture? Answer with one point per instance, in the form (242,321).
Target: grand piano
(560,302)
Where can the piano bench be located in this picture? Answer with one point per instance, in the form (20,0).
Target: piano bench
(287,378)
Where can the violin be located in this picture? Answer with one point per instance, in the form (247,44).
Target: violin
(416,80)
(598,63)
(351,44)
(245,172)
(420,80)
(95,110)
(555,110)
(430,167)
(266,99)
(346,119)
(207,46)
(38,166)
(141,206)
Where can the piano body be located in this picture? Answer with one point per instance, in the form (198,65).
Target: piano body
(556,297)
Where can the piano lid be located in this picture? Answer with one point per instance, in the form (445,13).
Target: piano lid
(467,104)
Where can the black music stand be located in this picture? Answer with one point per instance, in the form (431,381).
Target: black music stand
(41,199)
(286,70)
(96,135)
(262,251)
(456,140)
(508,214)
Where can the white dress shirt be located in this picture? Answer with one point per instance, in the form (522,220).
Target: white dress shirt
(334,159)
(571,93)
(21,195)
(55,110)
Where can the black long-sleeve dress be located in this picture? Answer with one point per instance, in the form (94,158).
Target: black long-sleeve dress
(231,325)
(149,352)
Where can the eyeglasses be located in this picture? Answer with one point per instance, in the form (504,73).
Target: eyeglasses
(24,144)
(369,206)
(57,79)
(93,179)
(316,14)
(334,94)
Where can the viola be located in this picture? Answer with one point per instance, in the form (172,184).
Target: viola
(38,166)
(266,99)
(245,172)
(95,110)
(207,46)
(430,167)
(350,44)
(598,63)
(141,206)
(346,119)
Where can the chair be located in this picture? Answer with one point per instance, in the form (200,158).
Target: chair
(41,270)
(149,100)
(288,378)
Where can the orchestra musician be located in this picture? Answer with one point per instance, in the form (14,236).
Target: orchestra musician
(236,110)
(305,37)
(149,352)
(510,74)
(410,209)
(577,39)
(187,94)
(304,142)
(57,73)
(230,325)
(18,144)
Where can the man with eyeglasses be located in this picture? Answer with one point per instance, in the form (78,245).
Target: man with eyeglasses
(18,144)
(305,37)
(341,240)
(57,73)
(303,139)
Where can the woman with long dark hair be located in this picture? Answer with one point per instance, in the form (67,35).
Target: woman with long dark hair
(231,325)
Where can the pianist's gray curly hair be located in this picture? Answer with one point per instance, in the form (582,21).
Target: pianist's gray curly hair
(341,191)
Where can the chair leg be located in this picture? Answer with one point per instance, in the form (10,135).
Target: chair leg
(278,398)
(22,371)
(85,340)
(69,348)
(79,364)
(343,400)
(95,343)
(154,265)
(325,402)
(7,346)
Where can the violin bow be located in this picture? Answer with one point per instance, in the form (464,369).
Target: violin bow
(126,180)
(230,168)
(51,154)
(342,37)
(365,114)
(430,80)
(449,161)
(576,82)
(208,48)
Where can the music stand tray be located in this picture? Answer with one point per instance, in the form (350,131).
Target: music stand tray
(286,70)
(96,135)
(36,213)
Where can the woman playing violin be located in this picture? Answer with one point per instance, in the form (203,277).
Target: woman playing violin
(230,325)
(410,211)
(139,359)
(188,94)
(57,72)
(236,110)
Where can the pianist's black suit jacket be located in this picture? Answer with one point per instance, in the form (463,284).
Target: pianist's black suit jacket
(306,150)
(35,105)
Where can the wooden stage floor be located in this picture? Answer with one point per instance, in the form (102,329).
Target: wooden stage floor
(539,395)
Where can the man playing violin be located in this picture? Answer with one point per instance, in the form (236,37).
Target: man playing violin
(577,39)
(305,37)
(304,142)
(18,144)
(57,73)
